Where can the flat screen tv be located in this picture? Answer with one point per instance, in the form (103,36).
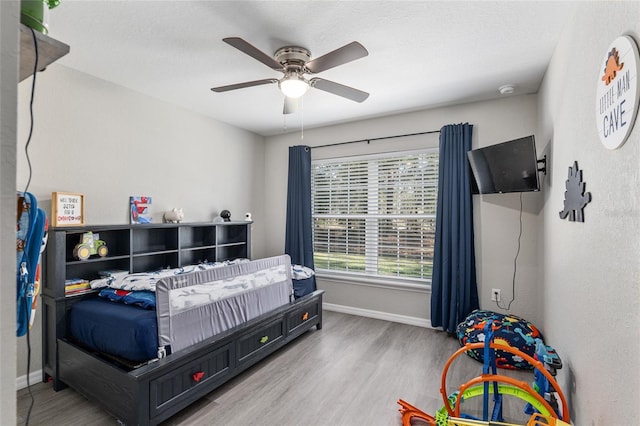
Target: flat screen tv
(506,167)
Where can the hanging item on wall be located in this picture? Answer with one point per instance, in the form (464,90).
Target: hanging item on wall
(617,92)
(140,209)
(67,209)
(575,199)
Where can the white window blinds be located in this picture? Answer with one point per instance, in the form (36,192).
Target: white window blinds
(375,215)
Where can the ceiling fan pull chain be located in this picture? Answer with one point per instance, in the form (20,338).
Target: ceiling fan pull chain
(302,118)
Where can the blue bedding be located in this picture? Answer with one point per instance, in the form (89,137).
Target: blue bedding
(304,287)
(144,299)
(127,331)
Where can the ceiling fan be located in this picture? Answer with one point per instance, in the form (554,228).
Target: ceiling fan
(294,62)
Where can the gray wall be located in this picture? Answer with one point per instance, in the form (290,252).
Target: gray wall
(496,216)
(9,18)
(590,291)
(108,142)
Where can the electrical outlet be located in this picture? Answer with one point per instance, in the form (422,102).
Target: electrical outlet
(495,294)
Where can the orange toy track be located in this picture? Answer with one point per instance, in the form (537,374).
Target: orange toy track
(536,364)
(410,412)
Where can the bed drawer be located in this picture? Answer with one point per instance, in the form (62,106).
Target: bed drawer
(176,387)
(258,343)
(297,321)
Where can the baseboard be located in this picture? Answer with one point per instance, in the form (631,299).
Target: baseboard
(403,319)
(34,377)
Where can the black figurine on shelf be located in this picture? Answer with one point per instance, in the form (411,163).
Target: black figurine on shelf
(226,215)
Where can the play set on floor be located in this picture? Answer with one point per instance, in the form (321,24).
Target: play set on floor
(545,401)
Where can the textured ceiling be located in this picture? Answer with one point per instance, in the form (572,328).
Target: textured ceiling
(422,54)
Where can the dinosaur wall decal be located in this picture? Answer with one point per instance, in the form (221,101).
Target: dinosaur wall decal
(612,66)
(575,198)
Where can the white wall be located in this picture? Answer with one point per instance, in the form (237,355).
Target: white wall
(591,275)
(496,216)
(108,142)
(9,18)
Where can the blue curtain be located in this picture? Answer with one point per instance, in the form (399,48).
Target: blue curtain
(299,234)
(454,292)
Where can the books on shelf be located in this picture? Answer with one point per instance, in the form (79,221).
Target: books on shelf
(76,286)
(139,207)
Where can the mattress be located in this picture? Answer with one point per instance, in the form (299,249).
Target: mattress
(126,331)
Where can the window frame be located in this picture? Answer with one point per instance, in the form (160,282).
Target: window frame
(364,278)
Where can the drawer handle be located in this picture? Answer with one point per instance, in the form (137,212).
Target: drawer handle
(305,316)
(264,339)
(198,376)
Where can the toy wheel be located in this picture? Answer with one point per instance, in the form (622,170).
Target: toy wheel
(82,251)
(103,251)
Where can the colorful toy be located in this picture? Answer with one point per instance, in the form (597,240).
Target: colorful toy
(90,245)
(545,397)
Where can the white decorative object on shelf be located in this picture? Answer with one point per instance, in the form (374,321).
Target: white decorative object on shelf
(173,216)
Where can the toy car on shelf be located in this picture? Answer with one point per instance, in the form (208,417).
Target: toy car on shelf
(89,245)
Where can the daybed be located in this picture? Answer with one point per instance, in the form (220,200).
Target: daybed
(211,325)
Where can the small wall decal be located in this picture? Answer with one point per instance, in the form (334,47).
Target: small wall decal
(575,199)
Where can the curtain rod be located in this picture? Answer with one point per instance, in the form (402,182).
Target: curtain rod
(375,139)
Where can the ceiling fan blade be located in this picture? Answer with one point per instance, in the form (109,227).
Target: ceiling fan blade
(243,85)
(339,89)
(253,51)
(290,105)
(344,54)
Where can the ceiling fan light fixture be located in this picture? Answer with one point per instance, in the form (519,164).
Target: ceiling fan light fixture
(293,86)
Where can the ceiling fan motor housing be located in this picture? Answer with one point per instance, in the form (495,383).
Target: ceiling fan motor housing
(293,58)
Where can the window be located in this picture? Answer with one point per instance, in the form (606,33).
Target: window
(375,215)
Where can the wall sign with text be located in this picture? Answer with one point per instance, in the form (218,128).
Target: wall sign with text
(617,92)
(67,209)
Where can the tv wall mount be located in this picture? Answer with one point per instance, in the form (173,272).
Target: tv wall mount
(543,169)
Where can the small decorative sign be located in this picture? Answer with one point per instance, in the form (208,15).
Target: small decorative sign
(140,210)
(575,198)
(617,92)
(67,209)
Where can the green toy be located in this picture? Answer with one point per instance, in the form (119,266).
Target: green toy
(89,245)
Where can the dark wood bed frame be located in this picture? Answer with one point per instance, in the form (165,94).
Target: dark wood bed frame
(154,392)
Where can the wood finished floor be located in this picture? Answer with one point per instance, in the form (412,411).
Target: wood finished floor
(352,372)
